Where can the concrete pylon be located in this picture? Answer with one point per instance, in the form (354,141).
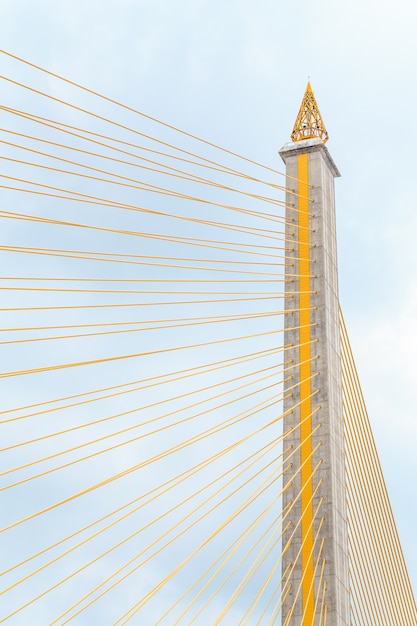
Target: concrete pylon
(315,563)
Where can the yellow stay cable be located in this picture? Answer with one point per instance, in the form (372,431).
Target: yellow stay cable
(132,259)
(150,257)
(133,355)
(138,326)
(215,244)
(372,575)
(378,491)
(275,615)
(142,185)
(385,516)
(251,608)
(123,431)
(141,257)
(323,597)
(88,134)
(286,574)
(134,468)
(78,196)
(142,551)
(364,577)
(255,494)
(118,125)
(319,586)
(132,110)
(356,608)
(270,480)
(324,609)
(91,256)
(289,615)
(148,382)
(201,318)
(283,368)
(262,428)
(244,581)
(216,428)
(152,405)
(167,171)
(283,514)
(83,492)
(313,578)
(145,423)
(181,240)
(379,494)
(66,307)
(100,279)
(215,457)
(136,329)
(155,492)
(251,571)
(288,571)
(182,292)
(397,570)
(366,543)
(239,564)
(226,555)
(258,454)
(274,593)
(317,534)
(258,598)
(175,172)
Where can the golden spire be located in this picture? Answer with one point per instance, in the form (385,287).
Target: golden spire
(309,123)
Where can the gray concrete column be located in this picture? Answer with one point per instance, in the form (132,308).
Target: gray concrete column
(326,401)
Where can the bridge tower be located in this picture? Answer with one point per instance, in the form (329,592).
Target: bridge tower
(314,565)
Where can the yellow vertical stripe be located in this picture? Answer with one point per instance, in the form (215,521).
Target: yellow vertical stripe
(307,532)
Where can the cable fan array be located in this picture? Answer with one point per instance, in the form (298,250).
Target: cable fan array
(143,321)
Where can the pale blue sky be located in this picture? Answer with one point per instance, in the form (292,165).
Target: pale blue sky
(234,72)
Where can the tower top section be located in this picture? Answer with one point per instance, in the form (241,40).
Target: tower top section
(309,123)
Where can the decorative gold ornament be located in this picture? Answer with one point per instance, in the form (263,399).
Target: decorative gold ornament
(309,123)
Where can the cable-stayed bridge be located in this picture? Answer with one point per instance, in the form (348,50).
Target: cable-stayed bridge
(184,437)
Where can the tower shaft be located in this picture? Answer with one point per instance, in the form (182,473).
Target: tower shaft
(314,565)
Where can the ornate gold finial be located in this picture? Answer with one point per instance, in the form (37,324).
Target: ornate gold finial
(309,123)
